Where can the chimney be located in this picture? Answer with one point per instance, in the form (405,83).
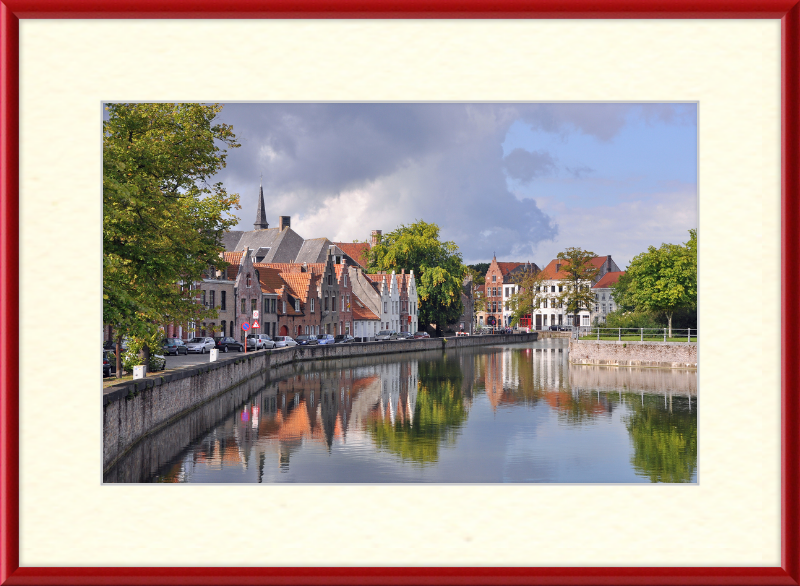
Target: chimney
(286,222)
(375,236)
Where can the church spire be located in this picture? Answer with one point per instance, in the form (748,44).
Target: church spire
(261,216)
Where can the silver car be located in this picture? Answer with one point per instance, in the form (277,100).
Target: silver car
(259,342)
(284,342)
(384,335)
(200,345)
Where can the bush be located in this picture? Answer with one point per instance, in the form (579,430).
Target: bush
(631,319)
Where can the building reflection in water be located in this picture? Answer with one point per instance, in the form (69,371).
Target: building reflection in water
(411,407)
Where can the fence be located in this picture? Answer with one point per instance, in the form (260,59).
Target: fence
(640,334)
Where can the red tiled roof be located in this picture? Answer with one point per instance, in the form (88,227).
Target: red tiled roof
(505,267)
(361,311)
(608,279)
(269,278)
(358,251)
(298,285)
(233,259)
(549,272)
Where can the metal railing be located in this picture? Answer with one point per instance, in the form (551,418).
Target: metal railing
(637,334)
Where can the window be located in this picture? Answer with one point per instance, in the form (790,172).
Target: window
(326,301)
(342,302)
(344,279)
(284,306)
(231,328)
(330,279)
(604,308)
(544,319)
(494,278)
(333,302)
(244,308)
(297,305)
(312,305)
(223,323)
(603,297)
(385,307)
(211,294)
(306,330)
(275,301)
(203,297)
(586,320)
(253,305)
(544,303)
(248,280)
(552,289)
(560,288)
(222,300)
(597,308)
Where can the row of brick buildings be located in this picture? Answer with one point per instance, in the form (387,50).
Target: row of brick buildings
(298,286)
(503,281)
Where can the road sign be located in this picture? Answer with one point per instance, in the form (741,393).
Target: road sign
(255,316)
(245,326)
(255,325)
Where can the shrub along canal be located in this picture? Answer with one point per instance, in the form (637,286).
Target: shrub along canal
(483,414)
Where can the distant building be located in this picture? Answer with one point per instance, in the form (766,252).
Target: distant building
(604,302)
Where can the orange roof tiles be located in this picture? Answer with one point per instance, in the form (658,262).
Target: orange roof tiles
(608,279)
(361,311)
(506,267)
(269,278)
(549,272)
(358,251)
(233,259)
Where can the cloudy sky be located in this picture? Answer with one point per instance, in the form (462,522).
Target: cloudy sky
(522,181)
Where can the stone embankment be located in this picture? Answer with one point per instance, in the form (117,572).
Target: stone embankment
(135,409)
(647,354)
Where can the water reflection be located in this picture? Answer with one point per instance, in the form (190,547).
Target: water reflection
(487,414)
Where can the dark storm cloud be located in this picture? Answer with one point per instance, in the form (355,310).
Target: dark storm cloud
(524,165)
(342,169)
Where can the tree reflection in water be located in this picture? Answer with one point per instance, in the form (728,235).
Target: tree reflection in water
(439,413)
(664,441)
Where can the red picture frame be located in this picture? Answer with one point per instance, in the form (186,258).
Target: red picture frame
(11,11)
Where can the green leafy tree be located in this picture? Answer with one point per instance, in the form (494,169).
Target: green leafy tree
(437,267)
(662,280)
(162,219)
(478,272)
(529,296)
(578,275)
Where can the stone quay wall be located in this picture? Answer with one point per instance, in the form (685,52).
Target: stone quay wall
(135,409)
(647,354)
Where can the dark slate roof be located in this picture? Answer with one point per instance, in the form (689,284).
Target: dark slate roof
(231,239)
(283,244)
(313,251)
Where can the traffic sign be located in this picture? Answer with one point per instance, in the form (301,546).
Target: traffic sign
(245,326)
(255,325)
(255,316)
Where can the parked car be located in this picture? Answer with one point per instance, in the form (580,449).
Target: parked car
(304,340)
(200,345)
(405,336)
(561,328)
(384,335)
(421,334)
(174,346)
(323,339)
(112,344)
(259,342)
(109,364)
(284,342)
(224,344)
(343,339)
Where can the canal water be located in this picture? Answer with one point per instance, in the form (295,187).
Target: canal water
(487,414)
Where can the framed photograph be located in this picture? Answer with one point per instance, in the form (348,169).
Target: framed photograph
(738,523)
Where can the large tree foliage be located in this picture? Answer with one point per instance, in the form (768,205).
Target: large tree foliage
(578,274)
(529,296)
(661,280)
(437,267)
(162,219)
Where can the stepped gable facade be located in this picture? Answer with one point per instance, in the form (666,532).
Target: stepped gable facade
(389,309)
(271,283)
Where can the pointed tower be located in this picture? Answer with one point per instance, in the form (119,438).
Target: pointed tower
(261,216)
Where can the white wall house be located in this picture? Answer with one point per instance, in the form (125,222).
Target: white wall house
(389,300)
(604,302)
(551,312)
